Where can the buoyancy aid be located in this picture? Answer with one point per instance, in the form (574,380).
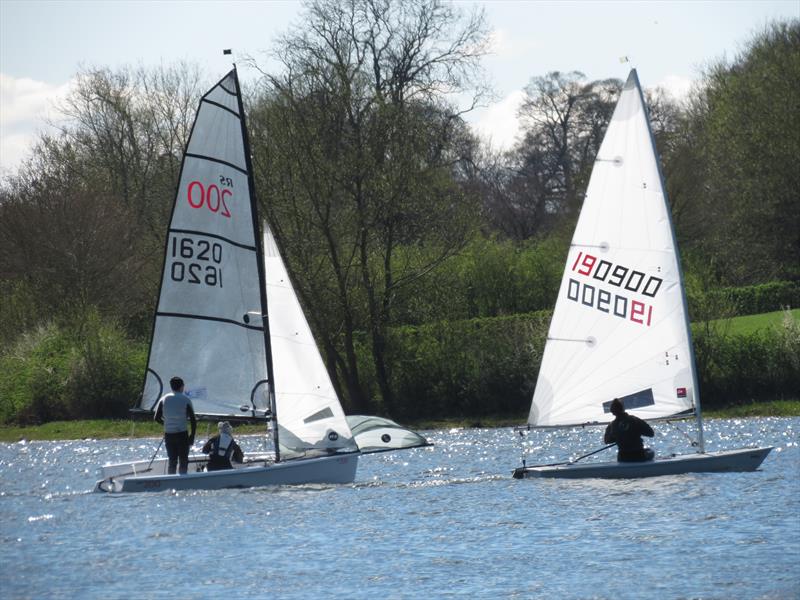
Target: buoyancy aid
(222,448)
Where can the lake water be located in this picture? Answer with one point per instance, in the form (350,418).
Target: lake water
(438,522)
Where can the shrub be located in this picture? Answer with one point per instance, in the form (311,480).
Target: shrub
(90,370)
(742,368)
(469,368)
(766,297)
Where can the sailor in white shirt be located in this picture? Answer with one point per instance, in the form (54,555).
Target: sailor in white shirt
(173,409)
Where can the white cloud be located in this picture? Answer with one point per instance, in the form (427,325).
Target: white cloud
(676,86)
(25,104)
(498,123)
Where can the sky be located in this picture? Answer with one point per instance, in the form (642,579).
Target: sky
(43,44)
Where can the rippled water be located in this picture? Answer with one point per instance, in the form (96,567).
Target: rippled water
(428,523)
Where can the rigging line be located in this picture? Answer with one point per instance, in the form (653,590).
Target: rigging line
(213,235)
(686,435)
(207,318)
(216,160)
(222,106)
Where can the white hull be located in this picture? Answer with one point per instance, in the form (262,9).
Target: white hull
(138,477)
(745,459)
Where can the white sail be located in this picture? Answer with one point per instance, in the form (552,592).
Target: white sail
(310,417)
(210,279)
(619,328)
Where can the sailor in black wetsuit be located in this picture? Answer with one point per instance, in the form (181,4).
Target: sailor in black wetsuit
(221,448)
(627,431)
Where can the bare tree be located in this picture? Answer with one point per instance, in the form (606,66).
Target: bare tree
(565,118)
(359,152)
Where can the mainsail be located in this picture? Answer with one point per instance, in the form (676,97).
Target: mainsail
(619,328)
(311,419)
(211,274)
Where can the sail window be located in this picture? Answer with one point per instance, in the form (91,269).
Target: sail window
(325,413)
(633,401)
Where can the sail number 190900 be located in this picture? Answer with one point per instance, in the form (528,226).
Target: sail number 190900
(196,261)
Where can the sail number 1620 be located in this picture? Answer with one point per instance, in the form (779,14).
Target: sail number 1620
(196,261)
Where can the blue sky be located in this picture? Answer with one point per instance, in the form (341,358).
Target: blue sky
(44,43)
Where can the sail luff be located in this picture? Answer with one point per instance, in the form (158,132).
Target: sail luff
(681,280)
(260,260)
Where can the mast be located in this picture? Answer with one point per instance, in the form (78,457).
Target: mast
(668,210)
(262,280)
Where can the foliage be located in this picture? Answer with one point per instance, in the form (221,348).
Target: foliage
(360,152)
(761,298)
(398,227)
(743,368)
(19,310)
(89,369)
(488,278)
(739,160)
(469,368)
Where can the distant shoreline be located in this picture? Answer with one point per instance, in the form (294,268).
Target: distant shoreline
(125,429)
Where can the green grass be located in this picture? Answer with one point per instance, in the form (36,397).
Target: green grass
(105,429)
(751,323)
(774,408)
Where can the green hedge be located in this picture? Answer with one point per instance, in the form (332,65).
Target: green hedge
(734,369)
(756,299)
(471,368)
(484,367)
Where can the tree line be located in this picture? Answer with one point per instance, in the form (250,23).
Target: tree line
(389,211)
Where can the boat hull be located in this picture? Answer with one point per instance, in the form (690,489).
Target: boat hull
(138,477)
(745,459)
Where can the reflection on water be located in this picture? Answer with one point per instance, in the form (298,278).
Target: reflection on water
(431,522)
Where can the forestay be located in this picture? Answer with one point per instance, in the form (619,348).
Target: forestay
(311,419)
(619,328)
(211,273)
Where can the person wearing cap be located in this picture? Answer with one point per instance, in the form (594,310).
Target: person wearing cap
(627,431)
(173,409)
(221,448)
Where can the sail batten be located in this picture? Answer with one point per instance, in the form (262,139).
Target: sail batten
(215,236)
(216,160)
(619,325)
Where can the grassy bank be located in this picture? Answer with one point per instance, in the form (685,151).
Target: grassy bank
(107,429)
(752,323)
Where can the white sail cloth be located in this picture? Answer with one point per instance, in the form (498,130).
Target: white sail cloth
(310,417)
(619,328)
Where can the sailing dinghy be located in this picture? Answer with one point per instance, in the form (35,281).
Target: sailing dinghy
(212,326)
(620,328)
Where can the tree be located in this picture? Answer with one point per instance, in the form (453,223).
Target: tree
(358,152)
(546,173)
(740,163)
(83,218)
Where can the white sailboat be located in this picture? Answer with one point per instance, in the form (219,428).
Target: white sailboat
(212,325)
(620,328)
